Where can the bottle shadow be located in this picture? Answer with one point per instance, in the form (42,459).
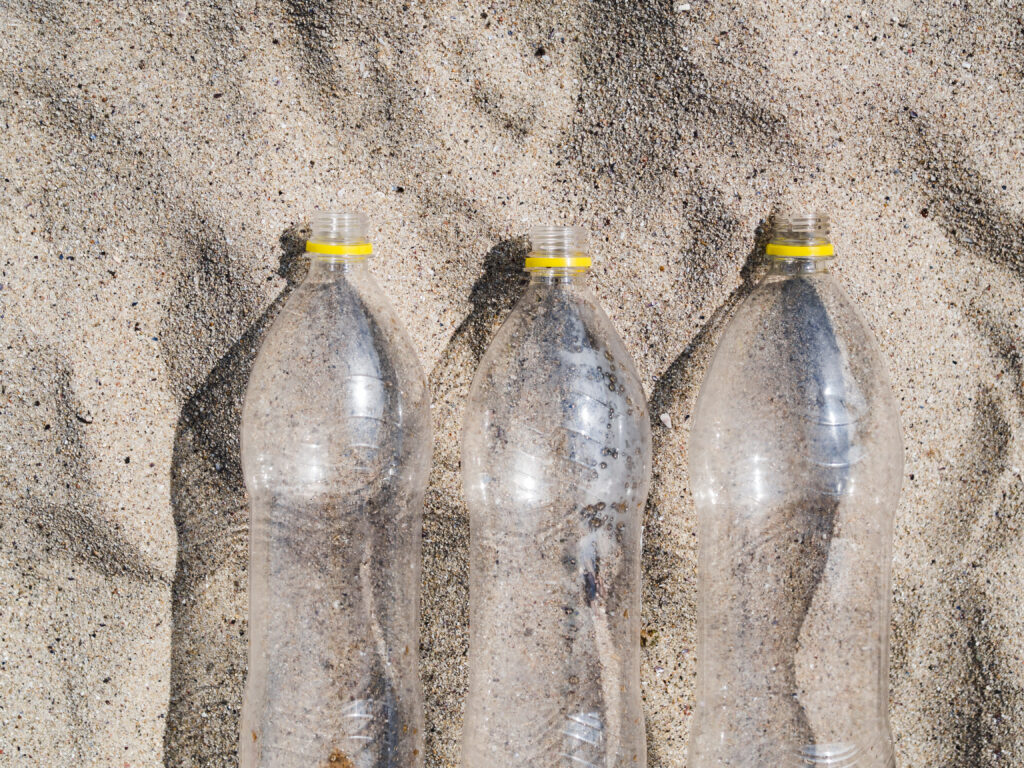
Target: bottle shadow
(986,682)
(669,560)
(445,618)
(209,593)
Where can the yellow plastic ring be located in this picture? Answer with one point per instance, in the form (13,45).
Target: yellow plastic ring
(540,262)
(776,249)
(331,249)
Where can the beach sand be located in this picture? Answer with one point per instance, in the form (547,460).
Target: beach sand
(160,162)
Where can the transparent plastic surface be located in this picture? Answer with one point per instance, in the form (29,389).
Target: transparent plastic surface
(335,450)
(796,464)
(556,465)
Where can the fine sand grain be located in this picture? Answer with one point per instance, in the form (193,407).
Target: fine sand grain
(160,162)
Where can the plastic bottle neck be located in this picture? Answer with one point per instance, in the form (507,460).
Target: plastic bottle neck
(800,244)
(557,276)
(338,244)
(558,256)
(779,265)
(324,269)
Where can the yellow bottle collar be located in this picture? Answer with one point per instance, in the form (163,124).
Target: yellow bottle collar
(543,262)
(797,251)
(333,249)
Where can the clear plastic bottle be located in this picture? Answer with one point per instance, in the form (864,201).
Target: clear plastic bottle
(335,450)
(796,463)
(556,463)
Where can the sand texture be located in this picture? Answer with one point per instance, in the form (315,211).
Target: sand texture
(160,162)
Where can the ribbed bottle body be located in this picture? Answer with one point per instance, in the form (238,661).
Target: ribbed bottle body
(556,465)
(796,465)
(335,450)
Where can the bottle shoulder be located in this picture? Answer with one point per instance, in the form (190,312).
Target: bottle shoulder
(552,346)
(556,407)
(796,339)
(329,333)
(336,383)
(796,387)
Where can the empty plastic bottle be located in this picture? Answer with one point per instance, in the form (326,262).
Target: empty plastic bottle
(556,464)
(796,464)
(335,449)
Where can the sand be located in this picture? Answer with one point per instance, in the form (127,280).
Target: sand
(160,161)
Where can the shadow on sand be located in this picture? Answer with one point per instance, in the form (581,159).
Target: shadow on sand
(445,642)
(209,595)
(670,543)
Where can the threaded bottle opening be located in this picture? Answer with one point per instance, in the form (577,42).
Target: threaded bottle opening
(339,227)
(800,234)
(801,223)
(558,241)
